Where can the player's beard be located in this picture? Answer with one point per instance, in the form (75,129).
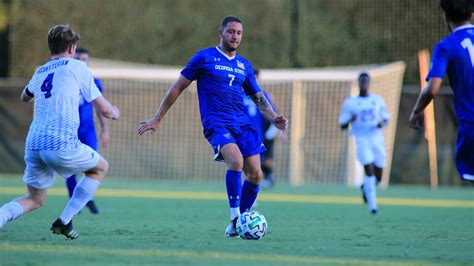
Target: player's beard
(229,48)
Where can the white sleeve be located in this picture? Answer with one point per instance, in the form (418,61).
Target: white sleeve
(383,111)
(87,85)
(346,115)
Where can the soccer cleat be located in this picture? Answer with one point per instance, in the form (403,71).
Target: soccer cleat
(92,207)
(231,230)
(374,212)
(59,228)
(363,194)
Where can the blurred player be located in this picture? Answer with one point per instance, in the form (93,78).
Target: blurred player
(454,55)
(368,115)
(223,78)
(52,144)
(86,132)
(267,132)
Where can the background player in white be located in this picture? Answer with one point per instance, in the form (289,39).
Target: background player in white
(454,55)
(368,115)
(52,144)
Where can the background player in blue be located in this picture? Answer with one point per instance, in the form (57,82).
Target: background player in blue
(454,55)
(86,132)
(223,78)
(267,132)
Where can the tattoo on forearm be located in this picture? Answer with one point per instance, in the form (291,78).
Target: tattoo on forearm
(263,105)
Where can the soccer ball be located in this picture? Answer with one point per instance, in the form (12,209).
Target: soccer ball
(251,225)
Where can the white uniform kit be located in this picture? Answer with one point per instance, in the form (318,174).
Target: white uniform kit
(370,111)
(52,144)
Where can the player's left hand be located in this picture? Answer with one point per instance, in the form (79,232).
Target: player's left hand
(281,123)
(416,120)
(151,126)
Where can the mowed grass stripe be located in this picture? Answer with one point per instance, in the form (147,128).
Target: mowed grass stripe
(199,255)
(202,195)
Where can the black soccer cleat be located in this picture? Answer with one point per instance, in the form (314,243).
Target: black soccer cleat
(67,230)
(92,207)
(231,230)
(363,194)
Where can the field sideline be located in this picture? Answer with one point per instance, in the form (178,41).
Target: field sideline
(183,223)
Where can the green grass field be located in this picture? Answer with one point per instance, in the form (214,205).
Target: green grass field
(183,223)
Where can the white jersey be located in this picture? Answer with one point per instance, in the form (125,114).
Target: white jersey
(57,87)
(370,111)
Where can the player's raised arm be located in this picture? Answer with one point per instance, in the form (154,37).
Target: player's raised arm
(425,97)
(268,113)
(173,93)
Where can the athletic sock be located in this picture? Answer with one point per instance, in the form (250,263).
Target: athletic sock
(249,195)
(233,184)
(9,212)
(370,192)
(82,194)
(71,183)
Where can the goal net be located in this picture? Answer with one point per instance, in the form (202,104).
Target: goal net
(315,149)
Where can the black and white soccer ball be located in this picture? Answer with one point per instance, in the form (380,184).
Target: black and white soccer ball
(251,225)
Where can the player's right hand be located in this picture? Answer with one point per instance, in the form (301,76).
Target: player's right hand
(416,120)
(151,126)
(116,111)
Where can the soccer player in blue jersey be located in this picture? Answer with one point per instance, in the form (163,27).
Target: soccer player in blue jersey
(86,132)
(267,132)
(454,55)
(223,78)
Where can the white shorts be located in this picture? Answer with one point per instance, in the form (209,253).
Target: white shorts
(42,165)
(371,149)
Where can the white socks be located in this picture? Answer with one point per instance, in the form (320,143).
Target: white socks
(10,211)
(370,192)
(82,194)
(234,212)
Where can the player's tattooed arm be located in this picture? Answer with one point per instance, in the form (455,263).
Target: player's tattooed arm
(268,113)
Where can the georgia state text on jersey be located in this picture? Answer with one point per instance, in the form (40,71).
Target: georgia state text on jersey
(222,83)
(370,111)
(57,87)
(455,54)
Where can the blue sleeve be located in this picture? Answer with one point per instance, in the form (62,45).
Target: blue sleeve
(194,68)
(439,62)
(98,84)
(250,84)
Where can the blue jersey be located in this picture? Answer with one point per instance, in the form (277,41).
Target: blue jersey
(455,55)
(256,118)
(222,83)
(86,132)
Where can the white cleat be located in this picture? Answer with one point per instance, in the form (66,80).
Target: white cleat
(230,230)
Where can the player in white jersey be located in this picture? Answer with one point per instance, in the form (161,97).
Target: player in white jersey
(52,144)
(368,114)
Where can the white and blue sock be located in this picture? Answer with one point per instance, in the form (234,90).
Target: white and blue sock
(370,192)
(233,182)
(249,195)
(9,212)
(82,194)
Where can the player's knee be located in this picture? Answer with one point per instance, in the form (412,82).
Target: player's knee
(236,164)
(99,171)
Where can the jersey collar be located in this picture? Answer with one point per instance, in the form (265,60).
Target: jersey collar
(224,54)
(468,26)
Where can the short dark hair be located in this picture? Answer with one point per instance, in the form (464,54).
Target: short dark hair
(60,38)
(228,19)
(82,50)
(363,75)
(457,10)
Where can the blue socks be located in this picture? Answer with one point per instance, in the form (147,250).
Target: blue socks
(71,183)
(233,182)
(249,195)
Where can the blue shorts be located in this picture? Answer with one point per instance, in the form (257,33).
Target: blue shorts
(245,137)
(465,151)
